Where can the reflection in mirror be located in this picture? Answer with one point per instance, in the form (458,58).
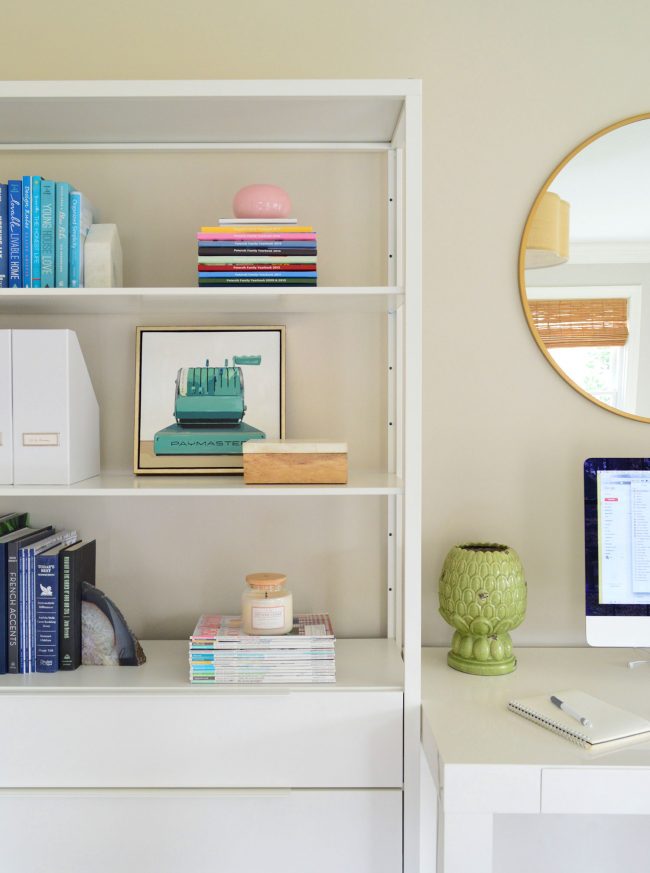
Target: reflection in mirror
(585,268)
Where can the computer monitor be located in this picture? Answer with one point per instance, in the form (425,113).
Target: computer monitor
(617,551)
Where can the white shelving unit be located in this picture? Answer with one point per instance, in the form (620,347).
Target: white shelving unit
(187,746)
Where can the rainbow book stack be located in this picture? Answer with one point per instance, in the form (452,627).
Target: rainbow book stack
(220,653)
(246,251)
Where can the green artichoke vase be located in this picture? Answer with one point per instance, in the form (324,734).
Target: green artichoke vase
(483,596)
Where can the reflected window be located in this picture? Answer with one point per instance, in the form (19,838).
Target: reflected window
(600,371)
(592,333)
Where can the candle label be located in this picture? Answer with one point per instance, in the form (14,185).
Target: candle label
(267,617)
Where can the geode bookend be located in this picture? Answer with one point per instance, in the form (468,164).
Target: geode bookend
(106,638)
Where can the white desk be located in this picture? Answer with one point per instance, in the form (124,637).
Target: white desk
(487,761)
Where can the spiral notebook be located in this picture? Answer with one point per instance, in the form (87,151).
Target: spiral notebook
(608,723)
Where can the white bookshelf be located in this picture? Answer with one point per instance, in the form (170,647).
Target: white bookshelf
(261,119)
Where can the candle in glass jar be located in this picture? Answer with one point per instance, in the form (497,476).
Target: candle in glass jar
(266,605)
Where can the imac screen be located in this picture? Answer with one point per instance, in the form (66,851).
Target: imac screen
(617,536)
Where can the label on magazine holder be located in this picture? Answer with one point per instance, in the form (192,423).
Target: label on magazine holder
(40,439)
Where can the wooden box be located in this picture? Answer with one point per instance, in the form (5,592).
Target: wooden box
(295,462)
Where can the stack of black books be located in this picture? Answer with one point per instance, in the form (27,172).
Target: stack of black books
(41,576)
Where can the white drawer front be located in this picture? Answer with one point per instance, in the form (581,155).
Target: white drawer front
(172,831)
(290,740)
(597,790)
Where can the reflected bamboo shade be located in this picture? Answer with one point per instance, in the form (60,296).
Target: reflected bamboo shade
(569,323)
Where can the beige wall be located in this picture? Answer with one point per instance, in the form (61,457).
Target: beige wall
(509,88)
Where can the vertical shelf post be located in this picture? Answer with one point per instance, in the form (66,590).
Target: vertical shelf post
(393,628)
(412,474)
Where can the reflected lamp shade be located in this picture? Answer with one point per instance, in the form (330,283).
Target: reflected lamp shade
(547,244)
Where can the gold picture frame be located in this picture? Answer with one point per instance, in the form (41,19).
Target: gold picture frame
(163,354)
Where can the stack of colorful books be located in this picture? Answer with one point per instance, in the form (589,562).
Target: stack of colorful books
(43,229)
(247,251)
(221,653)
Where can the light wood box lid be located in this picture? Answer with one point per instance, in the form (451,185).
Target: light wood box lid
(292,447)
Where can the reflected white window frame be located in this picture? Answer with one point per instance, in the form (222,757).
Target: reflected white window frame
(634,296)
(617,360)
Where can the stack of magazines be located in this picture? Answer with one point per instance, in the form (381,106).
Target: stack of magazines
(221,653)
(245,251)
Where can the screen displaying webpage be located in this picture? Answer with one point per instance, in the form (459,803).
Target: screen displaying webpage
(623,536)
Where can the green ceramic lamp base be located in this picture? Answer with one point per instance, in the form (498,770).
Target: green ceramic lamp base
(482,655)
(482,668)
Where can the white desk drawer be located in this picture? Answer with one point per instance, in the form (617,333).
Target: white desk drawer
(314,739)
(596,790)
(170,831)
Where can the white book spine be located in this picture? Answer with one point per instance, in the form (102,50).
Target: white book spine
(227,222)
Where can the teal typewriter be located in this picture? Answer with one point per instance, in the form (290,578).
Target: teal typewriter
(209,410)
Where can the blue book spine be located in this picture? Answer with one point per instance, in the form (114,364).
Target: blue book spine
(27,620)
(36,231)
(74,252)
(32,613)
(4,237)
(27,231)
(15,198)
(47,613)
(3,608)
(48,214)
(25,612)
(62,234)
(22,556)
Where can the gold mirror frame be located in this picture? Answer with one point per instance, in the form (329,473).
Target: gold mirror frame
(645,116)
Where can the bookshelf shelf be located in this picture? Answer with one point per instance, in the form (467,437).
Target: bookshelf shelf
(370,484)
(118,301)
(361,665)
(276,113)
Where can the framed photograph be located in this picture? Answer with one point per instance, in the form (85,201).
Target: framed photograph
(201,392)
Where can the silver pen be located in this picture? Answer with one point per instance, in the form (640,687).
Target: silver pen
(570,711)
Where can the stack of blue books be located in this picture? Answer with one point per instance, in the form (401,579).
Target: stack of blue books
(43,228)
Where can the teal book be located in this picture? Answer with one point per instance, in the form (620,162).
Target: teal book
(36,231)
(81,218)
(62,234)
(48,213)
(27,232)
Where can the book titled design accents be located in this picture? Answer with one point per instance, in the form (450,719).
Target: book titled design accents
(220,653)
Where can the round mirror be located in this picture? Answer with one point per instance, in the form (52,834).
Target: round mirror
(584,268)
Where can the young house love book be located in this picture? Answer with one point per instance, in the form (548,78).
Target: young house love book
(585,720)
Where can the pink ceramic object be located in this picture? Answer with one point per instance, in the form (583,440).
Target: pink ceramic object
(261,201)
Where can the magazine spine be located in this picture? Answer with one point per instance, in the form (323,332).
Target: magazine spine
(15,198)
